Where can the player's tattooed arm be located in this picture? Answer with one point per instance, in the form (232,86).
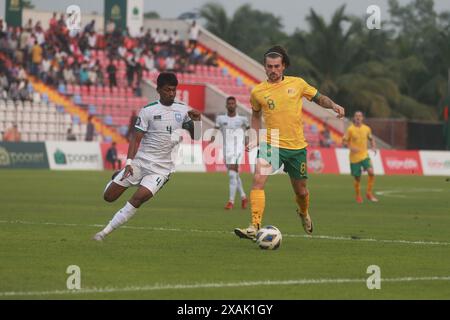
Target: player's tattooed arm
(325,102)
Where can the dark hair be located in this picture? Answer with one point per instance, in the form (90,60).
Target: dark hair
(278,51)
(166,78)
(231,98)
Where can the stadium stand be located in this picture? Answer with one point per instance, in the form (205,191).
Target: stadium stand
(100,75)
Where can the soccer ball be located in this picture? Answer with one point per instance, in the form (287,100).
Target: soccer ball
(269,238)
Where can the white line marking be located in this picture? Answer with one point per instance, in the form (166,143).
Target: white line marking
(322,237)
(157,287)
(400,193)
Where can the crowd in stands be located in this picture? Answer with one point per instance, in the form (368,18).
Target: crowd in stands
(58,55)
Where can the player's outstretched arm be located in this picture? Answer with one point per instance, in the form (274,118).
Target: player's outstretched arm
(135,141)
(327,103)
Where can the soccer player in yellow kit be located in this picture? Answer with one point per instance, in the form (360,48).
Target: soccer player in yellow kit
(279,101)
(356,138)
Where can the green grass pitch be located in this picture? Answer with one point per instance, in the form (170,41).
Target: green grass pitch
(180,245)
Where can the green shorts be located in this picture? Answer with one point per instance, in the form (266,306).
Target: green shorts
(355,168)
(294,161)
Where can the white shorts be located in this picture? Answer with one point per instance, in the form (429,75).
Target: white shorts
(150,180)
(233,158)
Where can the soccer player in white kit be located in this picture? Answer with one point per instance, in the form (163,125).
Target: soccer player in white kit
(233,128)
(150,162)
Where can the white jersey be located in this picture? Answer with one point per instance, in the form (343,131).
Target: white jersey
(233,133)
(159,122)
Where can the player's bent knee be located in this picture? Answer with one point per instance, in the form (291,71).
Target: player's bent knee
(302,193)
(109,197)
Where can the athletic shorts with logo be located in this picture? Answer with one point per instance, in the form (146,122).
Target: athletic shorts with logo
(151,180)
(356,168)
(294,161)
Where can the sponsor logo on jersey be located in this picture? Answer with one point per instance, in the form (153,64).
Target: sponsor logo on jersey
(157,117)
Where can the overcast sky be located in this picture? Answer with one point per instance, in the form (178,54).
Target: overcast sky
(292,12)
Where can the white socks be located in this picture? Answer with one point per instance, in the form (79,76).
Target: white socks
(240,187)
(235,184)
(122,216)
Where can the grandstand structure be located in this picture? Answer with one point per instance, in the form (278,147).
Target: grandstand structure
(53,109)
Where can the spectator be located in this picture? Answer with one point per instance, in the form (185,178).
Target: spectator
(156,36)
(111,70)
(131,69)
(4,85)
(21,73)
(24,94)
(194,32)
(170,64)
(23,42)
(174,39)
(84,76)
(69,77)
(325,137)
(90,130)
(90,27)
(12,134)
(53,21)
(211,59)
(141,33)
(165,38)
(2,26)
(92,76)
(149,62)
(92,40)
(29,24)
(36,58)
(112,158)
(110,27)
(99,72)
(70,135)
(40,36)
(133,119)
(14,93)
(45,68)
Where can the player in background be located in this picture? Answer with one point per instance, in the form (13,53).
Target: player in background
(356,138)
(149,161)
(233,127)
(279,101)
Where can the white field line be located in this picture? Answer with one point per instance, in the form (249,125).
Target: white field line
(219,285)
(401,192)
(323,237)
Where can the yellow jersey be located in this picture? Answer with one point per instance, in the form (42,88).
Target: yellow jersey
(281,105)
(357,137)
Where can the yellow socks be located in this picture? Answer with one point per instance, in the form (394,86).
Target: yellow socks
(257,202)
(370,184)
(357,185)
(303,204)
